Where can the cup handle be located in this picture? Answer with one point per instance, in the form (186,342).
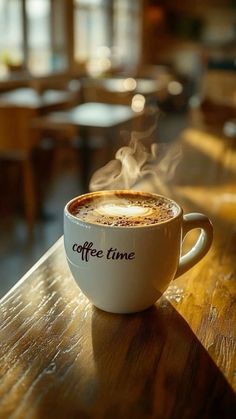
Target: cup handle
(203,244)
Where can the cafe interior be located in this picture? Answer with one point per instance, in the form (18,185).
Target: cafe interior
(80,79)
(102,95)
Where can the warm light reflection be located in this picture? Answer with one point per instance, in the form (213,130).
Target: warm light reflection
(129,84)
(96,66)
(213,146)
(175,88)
(215,200)
(138,103)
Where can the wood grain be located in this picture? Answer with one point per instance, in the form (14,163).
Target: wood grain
(63,358)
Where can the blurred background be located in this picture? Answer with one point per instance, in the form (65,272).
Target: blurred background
(56,56)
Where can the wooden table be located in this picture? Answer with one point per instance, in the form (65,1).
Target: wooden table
(106,118)
(63,358)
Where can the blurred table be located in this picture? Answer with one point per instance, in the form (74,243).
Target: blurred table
(104,117)
(62,358)
(27,97)
(118,90)
(127,85)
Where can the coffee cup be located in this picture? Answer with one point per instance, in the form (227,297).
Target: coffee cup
(124,247)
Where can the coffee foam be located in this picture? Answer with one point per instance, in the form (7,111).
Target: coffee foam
(123,208)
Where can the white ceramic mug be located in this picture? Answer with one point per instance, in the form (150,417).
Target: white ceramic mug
(150,257)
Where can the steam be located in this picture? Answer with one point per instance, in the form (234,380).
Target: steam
(135,162)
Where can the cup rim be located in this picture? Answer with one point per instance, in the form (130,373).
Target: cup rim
(97,225)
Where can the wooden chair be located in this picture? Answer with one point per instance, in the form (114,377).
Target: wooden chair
(16,145)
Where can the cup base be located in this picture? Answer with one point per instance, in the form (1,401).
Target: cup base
(123,311)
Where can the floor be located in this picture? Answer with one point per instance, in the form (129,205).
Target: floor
(17,252)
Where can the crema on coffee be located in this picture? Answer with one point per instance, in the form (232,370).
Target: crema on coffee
(123,209)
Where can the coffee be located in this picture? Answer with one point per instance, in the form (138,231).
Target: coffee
(123,208)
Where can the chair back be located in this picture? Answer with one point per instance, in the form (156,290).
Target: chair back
(15,133)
